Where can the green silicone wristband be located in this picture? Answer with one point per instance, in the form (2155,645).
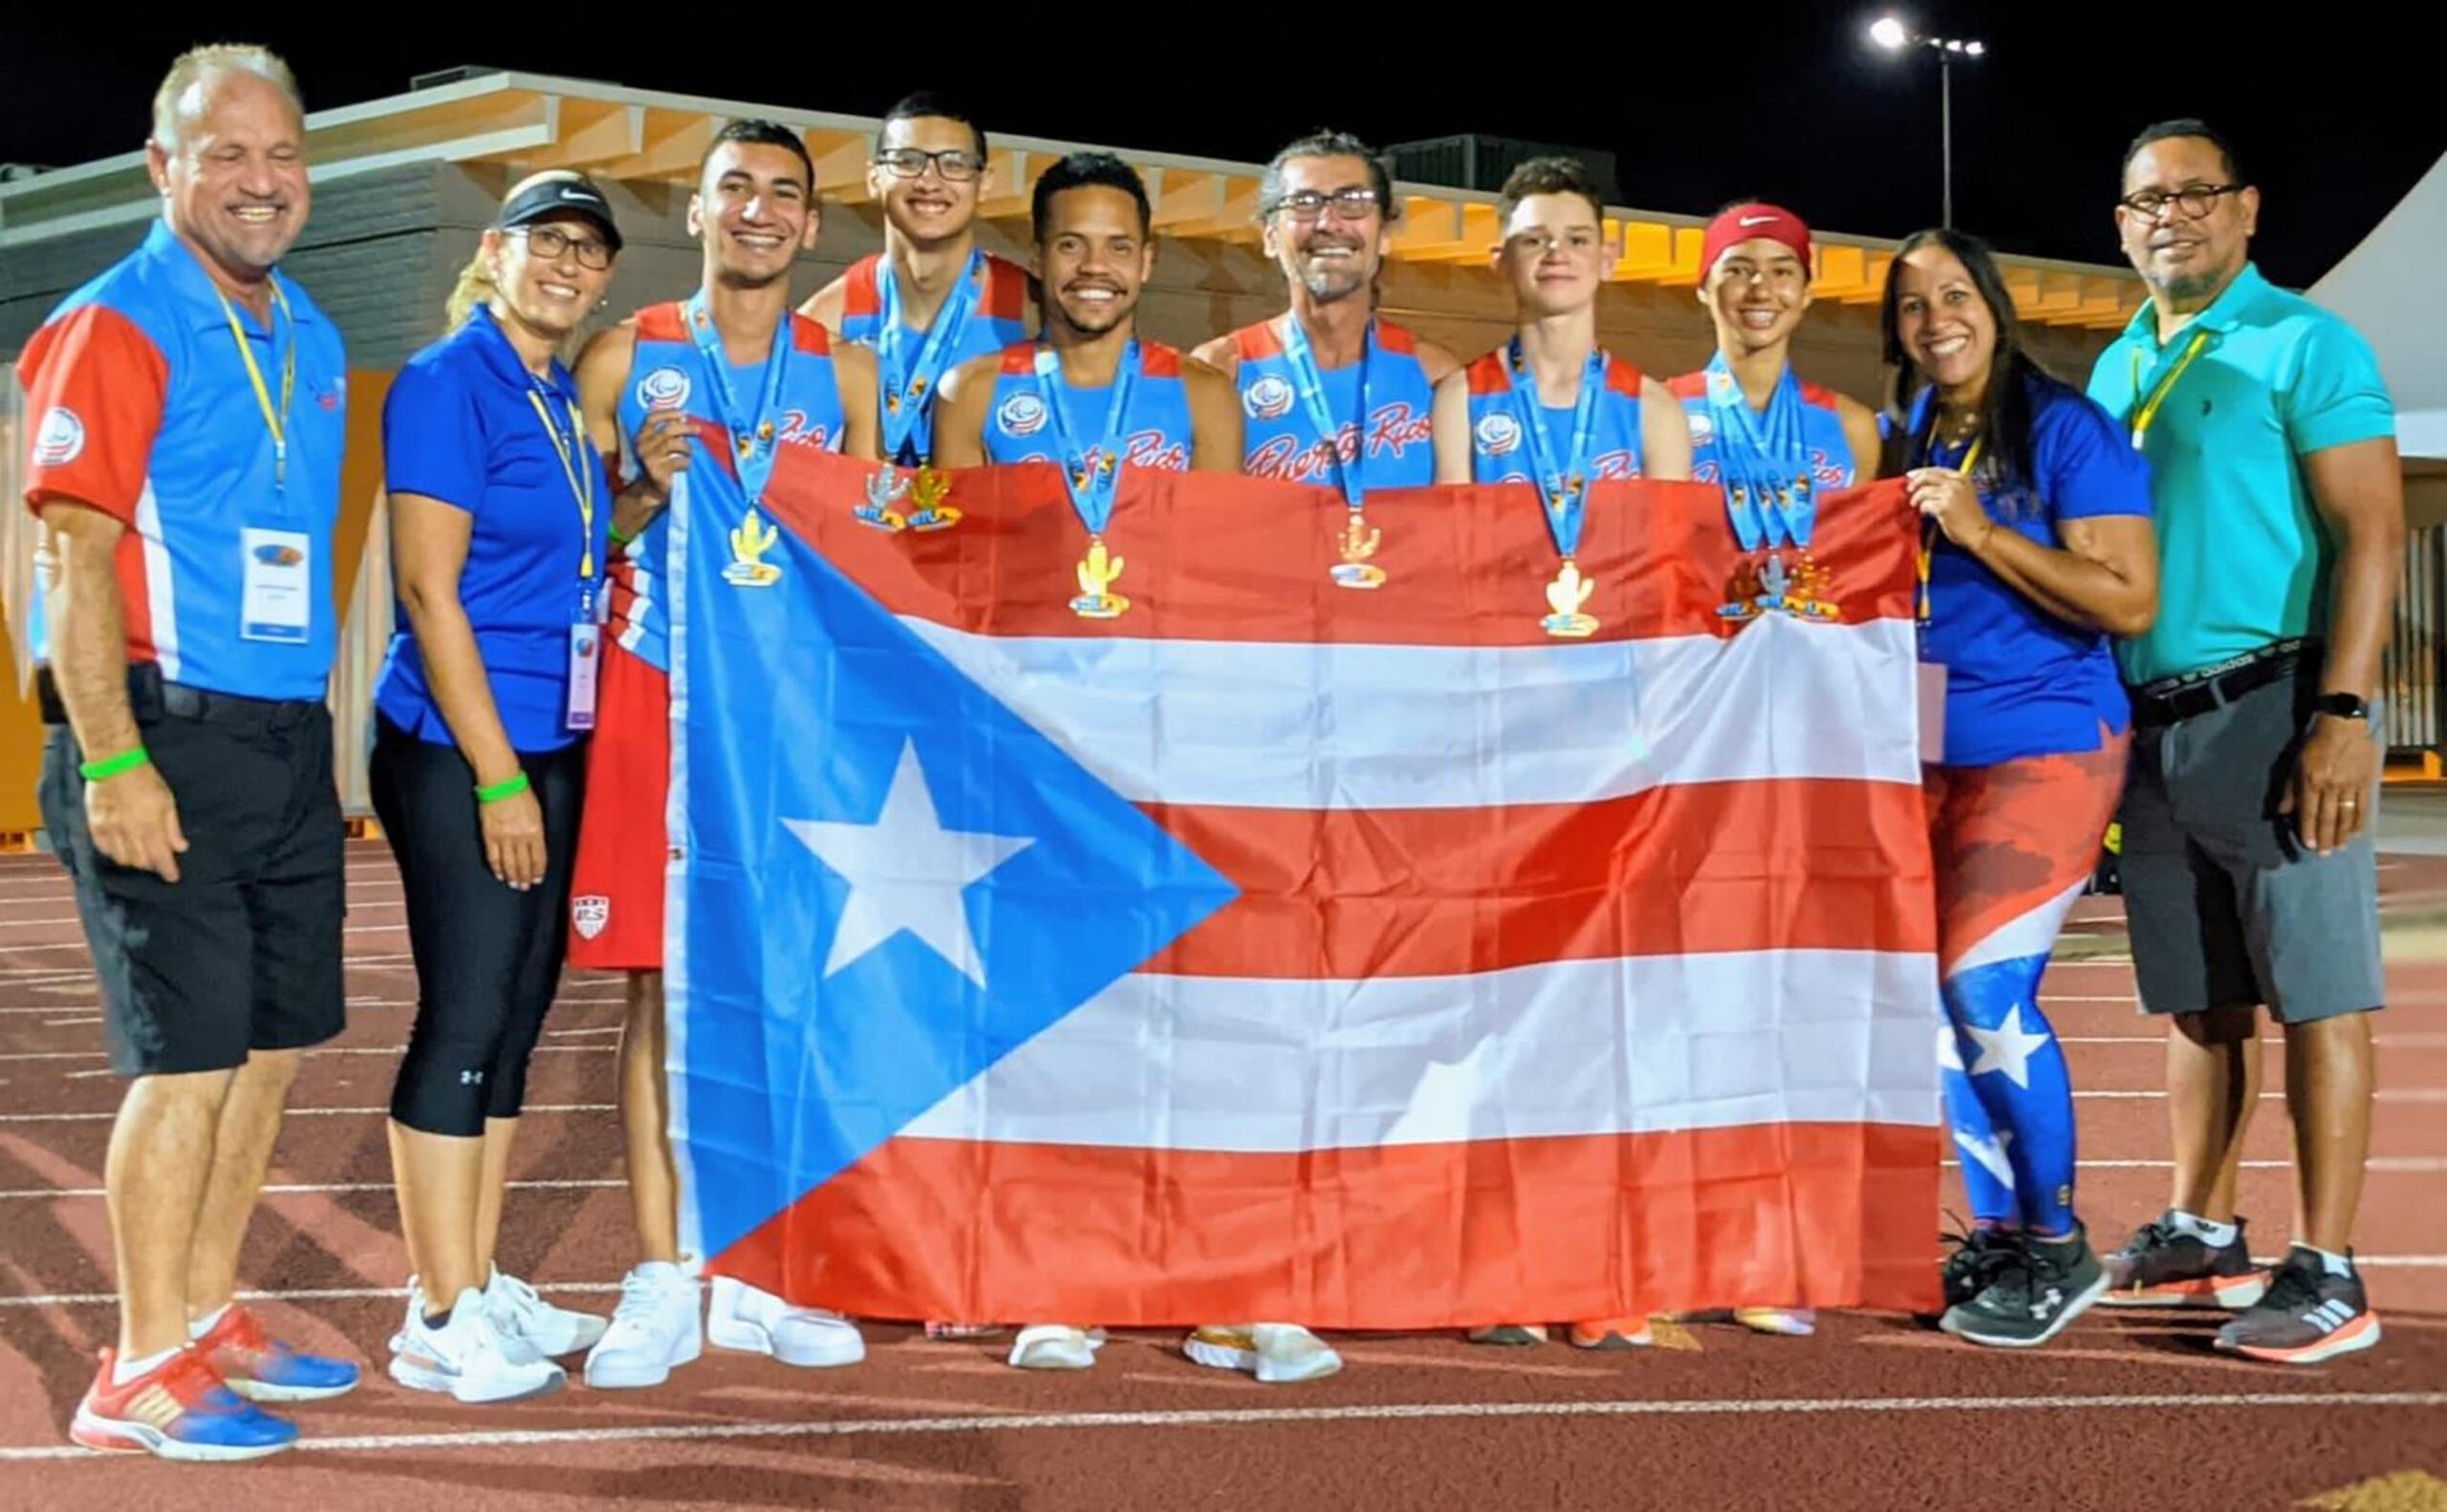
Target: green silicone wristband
(128,760)
(506,788)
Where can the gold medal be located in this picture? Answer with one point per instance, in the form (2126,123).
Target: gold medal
(1098,571)
(1565,596)
(1358,543)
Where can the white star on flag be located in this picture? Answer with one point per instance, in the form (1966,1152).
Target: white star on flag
(2005,1047)
(906,872)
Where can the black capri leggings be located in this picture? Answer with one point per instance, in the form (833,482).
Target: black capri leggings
(489,958)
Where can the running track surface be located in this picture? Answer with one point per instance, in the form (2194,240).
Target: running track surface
(1876,1413)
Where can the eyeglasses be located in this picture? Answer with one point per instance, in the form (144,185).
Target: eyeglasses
(1354,203)
(2195,201)
(952,165)
(550,242)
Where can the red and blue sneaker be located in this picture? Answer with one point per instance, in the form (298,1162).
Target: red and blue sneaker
(261,1369)
(179,1409)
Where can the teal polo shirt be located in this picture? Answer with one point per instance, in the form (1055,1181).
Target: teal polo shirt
(2243,556)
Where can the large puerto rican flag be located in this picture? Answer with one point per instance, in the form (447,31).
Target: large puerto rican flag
(1368,959)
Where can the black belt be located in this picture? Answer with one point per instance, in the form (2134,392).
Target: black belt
(150,698)
(2171,699)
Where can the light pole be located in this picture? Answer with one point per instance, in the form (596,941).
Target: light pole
(1888,33)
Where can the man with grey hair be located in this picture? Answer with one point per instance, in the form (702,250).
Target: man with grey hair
(187,471)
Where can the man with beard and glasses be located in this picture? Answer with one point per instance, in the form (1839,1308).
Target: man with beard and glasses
(933,298)
(1331,392)
(2249,875)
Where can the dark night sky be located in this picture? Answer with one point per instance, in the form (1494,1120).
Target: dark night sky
(1781,101)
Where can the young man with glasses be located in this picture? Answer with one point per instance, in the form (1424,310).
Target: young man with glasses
(2248,870)
(1331,394)
(933,299)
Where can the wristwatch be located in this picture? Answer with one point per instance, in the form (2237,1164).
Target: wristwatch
(2342,705)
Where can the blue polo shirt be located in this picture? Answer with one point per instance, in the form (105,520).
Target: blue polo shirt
(2020,682)
(460,426)
(142,409)
(2243,557)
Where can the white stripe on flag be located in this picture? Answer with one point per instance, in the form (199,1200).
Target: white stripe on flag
(1361,726)
(1568,1048)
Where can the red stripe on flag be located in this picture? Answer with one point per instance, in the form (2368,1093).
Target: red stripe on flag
(1731,866)
(1213,557)
(1393,1236)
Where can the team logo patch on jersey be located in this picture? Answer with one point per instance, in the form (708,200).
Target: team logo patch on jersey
(1021,415)
(1704,426)
(61,439)
(664,388)
(1498,432)
(1269,398)
(589,914)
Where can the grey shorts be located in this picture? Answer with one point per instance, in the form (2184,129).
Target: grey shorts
(2227,907)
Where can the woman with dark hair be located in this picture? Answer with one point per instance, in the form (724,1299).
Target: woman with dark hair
(2036,546)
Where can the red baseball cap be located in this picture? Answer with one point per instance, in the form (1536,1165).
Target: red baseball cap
(1742,223)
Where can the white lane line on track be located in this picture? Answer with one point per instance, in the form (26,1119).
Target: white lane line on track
(316,1188)
(295,1112)
(2188,1402)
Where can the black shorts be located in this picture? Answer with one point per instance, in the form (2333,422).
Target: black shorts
(243,952)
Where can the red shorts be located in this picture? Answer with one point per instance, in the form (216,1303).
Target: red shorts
(615,889)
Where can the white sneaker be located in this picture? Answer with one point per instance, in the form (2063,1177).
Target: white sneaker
(547,1330)
(1276,1354)
(469,1357)
(1055,1346)
(656,1328)
(517,1349)
(741,1317)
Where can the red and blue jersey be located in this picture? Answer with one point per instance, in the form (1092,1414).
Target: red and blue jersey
(997,317)
(1156,432)
(145,411)
(1499,453)
(1830,449)
(1390,444)
(667,372)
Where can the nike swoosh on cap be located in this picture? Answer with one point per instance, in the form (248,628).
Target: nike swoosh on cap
(1757,220)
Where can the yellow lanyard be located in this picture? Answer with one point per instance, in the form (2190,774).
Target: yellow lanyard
(274,421)
(1929,528)
(2147,409)
(577,481)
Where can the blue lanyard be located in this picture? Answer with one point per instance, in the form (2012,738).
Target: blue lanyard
(1094,473)
(1562,489)
(907,384)
(755,442)
(1311,386)
(1764,462)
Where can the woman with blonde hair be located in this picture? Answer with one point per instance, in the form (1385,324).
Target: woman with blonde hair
(499,520)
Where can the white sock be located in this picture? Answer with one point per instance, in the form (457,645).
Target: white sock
(126,1371)
(2333,1264)
(2217,1236)
(210,1321)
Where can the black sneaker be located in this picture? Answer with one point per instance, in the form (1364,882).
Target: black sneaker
(1975,1261)
(2307,1315)
(2039,1289)
(2162,1267)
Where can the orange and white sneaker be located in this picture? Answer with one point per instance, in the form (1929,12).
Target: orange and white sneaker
(1277,1353)
(2312,1313)
(2166,1263)
(1612,1333)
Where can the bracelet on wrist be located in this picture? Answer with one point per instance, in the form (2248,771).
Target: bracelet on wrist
(506,788)
(110,767)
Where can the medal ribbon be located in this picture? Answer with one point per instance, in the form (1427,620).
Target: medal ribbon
(1763,461)
(1093,475)
(754,442)
(1302,359)
(1929,529)
(1561,490)
(907,382)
